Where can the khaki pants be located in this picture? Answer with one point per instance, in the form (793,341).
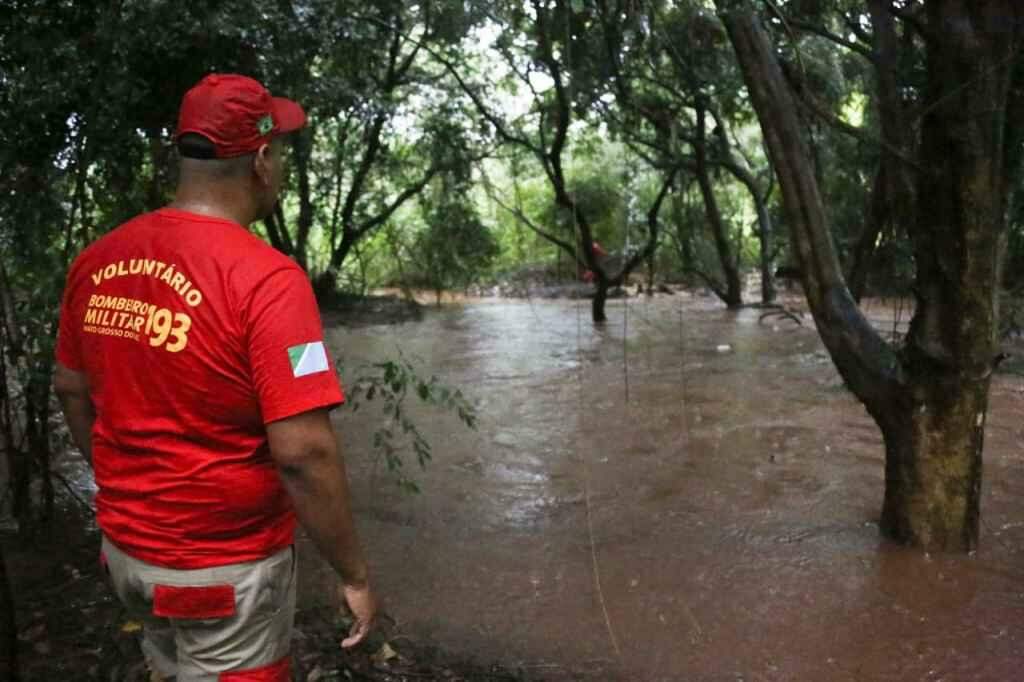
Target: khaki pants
(226,623)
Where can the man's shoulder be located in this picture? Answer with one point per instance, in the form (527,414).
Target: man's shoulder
(103,245)
(251,260)
(252,268)
(205,242)
(247,246)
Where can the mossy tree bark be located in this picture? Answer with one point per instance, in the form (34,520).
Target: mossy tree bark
(929,396)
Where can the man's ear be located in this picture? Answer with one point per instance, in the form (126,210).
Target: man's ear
(262,162)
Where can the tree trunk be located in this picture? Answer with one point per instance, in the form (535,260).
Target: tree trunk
(37,411)
(21,487)
(277,231)
(864,249)
(301,145)
(8,626)
(597,303)
(733,297)
(892,198)
(326,283)
(933,464)
(764,227)
(764,234)
(682,231)
(931,400)
(651,269)
(959,240)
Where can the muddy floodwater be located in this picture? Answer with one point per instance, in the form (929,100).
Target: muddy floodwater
(686,494)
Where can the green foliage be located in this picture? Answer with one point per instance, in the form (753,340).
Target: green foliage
(390,383)
(455,247)
(384,119)
(520,180)
(386,184)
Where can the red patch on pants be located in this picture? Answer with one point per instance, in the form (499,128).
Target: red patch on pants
(208,601)
(275,672)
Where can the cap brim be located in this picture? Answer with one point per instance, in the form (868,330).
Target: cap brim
(288,116)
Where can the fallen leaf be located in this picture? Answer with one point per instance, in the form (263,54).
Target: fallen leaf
(385,654)
(131,626)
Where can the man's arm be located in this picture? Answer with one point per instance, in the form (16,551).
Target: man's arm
(305,449)
(72,389)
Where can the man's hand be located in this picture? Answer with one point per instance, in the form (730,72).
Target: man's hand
(363,604)
(305,449)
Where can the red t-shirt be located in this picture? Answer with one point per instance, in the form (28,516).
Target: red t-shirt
(193,334)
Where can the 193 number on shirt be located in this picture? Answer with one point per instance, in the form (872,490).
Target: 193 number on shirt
(168,329)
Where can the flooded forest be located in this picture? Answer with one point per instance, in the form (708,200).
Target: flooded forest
(681,340)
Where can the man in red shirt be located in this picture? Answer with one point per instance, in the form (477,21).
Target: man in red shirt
(193,374)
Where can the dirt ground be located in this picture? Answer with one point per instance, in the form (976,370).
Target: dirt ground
(71,626)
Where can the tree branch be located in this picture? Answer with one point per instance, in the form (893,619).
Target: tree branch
(403,196)
(277,231)
(499,126)
(355,190)
(868,364)
(653,227)
(525,220)
(813,106)
(811,27)
(708,280)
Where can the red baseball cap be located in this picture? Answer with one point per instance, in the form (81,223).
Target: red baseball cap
(236,114)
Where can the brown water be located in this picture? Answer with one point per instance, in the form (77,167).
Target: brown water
(639,505)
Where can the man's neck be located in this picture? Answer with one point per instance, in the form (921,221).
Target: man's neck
(211,210)
(214,202)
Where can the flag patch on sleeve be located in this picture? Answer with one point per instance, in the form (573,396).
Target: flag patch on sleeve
(308,358)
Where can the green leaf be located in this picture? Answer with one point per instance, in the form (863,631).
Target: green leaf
(389,386)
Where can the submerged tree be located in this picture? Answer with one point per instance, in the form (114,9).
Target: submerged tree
(548,42)
(929,396)
(676,101)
